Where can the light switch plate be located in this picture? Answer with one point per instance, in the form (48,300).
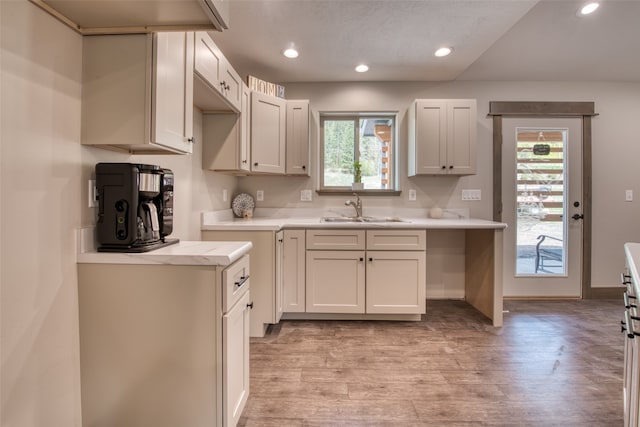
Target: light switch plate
(305,196)
(260,195)
(474,195)
(628,195)
(225,195)
(412,195)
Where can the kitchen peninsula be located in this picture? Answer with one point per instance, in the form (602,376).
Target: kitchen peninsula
(164,335)
(286,247)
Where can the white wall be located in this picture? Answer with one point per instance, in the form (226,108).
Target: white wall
(43,187)
(41,83)
(615,153)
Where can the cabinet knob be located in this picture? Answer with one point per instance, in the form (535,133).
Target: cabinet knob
(250,305)
(255,164)
(451,167)
(244,162)
(192,140)
(370,259)
(361,259)
(303,167)
(444,167)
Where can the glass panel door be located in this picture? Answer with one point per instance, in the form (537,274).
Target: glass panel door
(542,190)
(540,211)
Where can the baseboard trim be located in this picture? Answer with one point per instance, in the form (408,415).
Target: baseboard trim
(596,293)
(607,293)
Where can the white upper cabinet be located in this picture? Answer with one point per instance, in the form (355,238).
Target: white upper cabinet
(172,118)
(214,75)
(136,16)
(268,127)
(137,93)
(297,137)
(442,137)
(226,139)
(218,13)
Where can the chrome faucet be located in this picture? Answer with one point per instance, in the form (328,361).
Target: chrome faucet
(357,205)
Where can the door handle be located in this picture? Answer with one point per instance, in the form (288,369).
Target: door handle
(577,216)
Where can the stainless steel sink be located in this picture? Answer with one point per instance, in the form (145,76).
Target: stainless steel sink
(385,219)
(340,219)
(360,219)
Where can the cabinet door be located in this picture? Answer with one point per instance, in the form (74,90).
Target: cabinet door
(208,60)
(294,271)
(298,137)
(335,282)
(631,377)
(235,361)
(245,128)
(430,136)
(232,85)
(396,282)
(461,136)
(172,112)
(279,308)
(268,119)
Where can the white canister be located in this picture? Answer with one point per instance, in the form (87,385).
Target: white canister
(435,213)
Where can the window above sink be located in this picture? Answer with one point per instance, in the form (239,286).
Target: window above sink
(367,139)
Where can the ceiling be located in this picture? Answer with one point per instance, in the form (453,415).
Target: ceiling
(492,40)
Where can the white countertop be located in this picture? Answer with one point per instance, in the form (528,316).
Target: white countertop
(181,253)
(287,218)
(632,251)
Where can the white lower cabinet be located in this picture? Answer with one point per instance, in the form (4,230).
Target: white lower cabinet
(396,282)
(294,271)
(235,370)
(279,281)
(335,282)
(164,345)
(631,368)
(372,272)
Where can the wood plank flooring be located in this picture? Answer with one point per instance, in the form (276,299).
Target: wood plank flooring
(554,363)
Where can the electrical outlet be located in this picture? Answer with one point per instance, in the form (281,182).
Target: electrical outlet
(93,194)
(628,195)
(260,195)
(225,195)
(305,196)
(412,195)
(474,195)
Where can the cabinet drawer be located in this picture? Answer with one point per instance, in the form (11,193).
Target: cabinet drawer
(235,282)
(401,240)
(336,239)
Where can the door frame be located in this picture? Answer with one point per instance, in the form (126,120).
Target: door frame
(583,110)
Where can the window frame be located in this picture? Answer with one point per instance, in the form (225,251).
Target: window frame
(356,116)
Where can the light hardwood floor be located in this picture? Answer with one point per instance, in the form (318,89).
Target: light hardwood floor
(554,363)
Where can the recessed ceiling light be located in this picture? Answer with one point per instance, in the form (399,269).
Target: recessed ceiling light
(443,51)
(589,8)
(362,68)
(291,53)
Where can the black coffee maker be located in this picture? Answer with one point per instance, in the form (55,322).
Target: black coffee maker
(135,207)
